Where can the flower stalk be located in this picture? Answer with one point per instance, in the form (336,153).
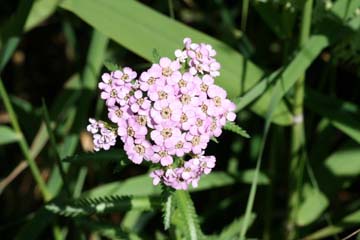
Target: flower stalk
(297,161)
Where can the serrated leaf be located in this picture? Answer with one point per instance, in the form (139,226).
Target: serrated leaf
(101,205)
(7,135)
(314,204)
(190,227)
(230,126)
(167,212)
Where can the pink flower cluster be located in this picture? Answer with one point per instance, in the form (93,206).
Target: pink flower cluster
(170,112)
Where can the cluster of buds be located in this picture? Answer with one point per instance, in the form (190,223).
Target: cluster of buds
(168,114)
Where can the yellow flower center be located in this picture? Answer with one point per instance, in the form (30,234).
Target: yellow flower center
(166,132)
(140,149)
(167,72)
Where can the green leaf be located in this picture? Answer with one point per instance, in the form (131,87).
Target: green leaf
(142,185)
(135,186)
(36,225)
(279,19)
(41,10)
(190,227)
(346,118)
(101,205)
(110,231)
(156,55)
(248,175)
(158,30)
(349,221)
(7,135)
(313,205)
(346,9)
(167,211)
(232,127)
(345,162)
(111,66)
(112,155)
(232,231)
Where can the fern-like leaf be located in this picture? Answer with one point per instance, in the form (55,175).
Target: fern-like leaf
(167,208)
(101,205)
(232,127)
(167,212)
(186,219)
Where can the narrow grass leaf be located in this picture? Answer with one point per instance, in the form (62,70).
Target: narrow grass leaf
(12,30)
(7,135)
(278,92)
(145,23)
(349,221)
(142,185)
(232,231)
(54,147)
(107,230)
(40,11)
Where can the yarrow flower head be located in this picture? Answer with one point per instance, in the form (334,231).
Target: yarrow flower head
(167,115)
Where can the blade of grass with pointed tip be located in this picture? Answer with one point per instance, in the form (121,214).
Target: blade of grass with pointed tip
(233,229)
(142,186)
(145,23)
(280,89)
(54,147)
(351,220)
(12,30)
(7,135)
(41,10)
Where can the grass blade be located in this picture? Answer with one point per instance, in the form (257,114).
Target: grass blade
(7,135)
(145,23)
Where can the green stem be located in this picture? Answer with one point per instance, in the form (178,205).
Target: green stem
(268,221)
(171,9)
(297,162)
(23,144)
(244,14)
(53,144)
